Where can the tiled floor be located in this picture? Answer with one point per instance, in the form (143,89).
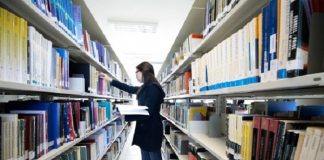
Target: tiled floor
(130,152)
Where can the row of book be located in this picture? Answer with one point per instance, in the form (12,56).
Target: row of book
(188,46)
(265,49)
(179,86)
(115,150)
(215,11)
(276,136)
(27,57)
(96,145)
(33,128)
(65,14)
(68,16)
(183,145)
(37,63)
(97,50)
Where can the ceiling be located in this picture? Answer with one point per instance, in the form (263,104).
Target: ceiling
(134,47)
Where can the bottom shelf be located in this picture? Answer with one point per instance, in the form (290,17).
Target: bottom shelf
(180,156)
(117,135)
(55,152)
(216,146)
(122,148)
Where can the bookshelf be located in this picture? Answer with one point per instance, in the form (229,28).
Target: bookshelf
(55,33)
(115,138)
(216,146)
(312,84)
(185,131)
(193,23)
(30,89)
(233,21)
(300,88)
(54,153)
(180,156)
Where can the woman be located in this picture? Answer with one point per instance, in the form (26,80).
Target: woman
(148,131)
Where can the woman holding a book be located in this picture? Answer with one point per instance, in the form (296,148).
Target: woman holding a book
(148,132)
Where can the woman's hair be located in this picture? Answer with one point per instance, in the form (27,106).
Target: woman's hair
(148,72)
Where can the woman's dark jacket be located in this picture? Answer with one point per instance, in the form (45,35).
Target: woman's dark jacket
(148,131)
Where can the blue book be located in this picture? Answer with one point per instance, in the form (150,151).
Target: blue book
(53,112)
(265,23)
(59,11)
(78,23)
(53,9)
(72,28)
(274,107)
(65,75)
(273,17)
(108,107)
(308,112)
(66,122)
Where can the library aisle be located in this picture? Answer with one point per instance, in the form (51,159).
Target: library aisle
(201,79)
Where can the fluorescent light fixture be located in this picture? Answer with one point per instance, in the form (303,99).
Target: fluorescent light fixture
(134,26)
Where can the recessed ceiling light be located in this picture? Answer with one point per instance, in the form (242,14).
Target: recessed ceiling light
(134,26)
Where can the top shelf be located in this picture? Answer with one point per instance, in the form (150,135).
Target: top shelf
(194,23)
(309,84)
(50,29)
(241,13)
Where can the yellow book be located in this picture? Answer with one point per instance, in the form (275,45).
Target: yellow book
(197,113)
(249,130)
(2,44)
(10,43)
(259,36)
(243,146)
(16,49)
(23,46)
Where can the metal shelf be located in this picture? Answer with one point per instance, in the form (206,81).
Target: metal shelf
(56,152)
(185,131)
(30,89)
(194,23)
(51,30)
(110,144)
(216,146)
(309,85)
(180,156)
(241,13)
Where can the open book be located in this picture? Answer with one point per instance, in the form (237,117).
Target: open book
(132,109)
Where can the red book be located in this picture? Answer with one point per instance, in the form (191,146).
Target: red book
(273,136)
(256,138)
(196,35)
(264,137)
(77,116)
(71,124)
(27,137)
(187,76)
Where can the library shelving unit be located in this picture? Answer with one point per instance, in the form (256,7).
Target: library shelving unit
(52,31)
(56,152)
(116,136)
(58,36)
(307,86)
(180,156)
(233,21)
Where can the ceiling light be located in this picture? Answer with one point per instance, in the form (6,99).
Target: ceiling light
(134,26)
